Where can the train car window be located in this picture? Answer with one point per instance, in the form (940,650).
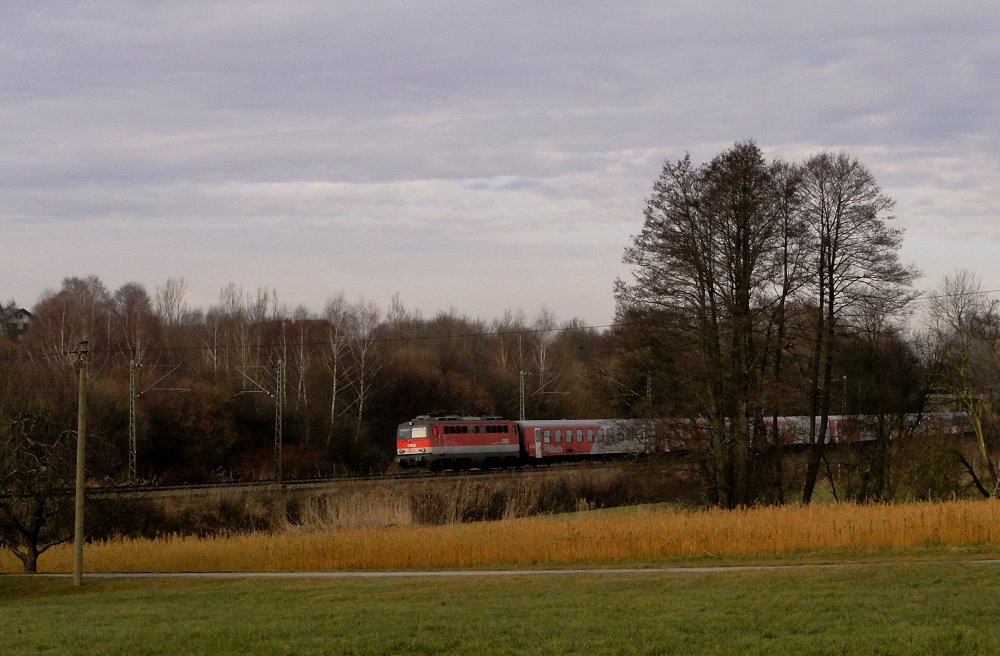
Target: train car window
(579,434)
(548,436)
(600,434)
(558,435)
(590,434)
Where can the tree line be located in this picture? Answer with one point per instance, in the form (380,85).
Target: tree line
(769,288)
(760,289)
(206,380)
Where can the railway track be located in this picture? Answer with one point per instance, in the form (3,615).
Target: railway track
(305,485)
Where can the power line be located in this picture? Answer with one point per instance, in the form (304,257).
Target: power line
(407,338)
(340,342)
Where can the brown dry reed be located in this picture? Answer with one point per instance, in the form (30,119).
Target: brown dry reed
(603,538)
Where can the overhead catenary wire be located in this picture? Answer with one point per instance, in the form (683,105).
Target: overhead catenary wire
(386,339)
(341,342)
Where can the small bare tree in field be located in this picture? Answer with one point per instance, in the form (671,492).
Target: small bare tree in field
(37,458)
(37,468)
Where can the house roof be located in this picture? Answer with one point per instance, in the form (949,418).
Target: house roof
(6,314)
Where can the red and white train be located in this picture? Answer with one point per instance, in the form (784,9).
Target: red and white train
(457,442)
(453,441)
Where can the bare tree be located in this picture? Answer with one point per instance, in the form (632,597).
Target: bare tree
(509,330)
(302,354)
(137,327)
(37,458)
(336,313)
(368,361)
(170,304)
(79,311)
(965,331)
(855,263)
(241,318)
(542,337)
(704,266)
(398,316)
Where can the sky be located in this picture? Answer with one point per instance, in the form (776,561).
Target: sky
(469,155)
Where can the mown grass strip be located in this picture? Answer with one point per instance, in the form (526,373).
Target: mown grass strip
(886,609)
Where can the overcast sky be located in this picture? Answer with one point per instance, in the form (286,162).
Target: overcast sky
(469,154)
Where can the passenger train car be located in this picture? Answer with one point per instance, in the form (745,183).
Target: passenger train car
(457,442)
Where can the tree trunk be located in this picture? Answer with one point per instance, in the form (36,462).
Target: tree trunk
(29,559)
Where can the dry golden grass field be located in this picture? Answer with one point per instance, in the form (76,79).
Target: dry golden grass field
(603,538)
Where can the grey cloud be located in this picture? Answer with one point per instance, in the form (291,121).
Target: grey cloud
(368,131)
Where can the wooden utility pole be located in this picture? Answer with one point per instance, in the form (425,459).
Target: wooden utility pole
(81,438)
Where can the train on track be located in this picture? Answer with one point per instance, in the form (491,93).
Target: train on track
(459,442)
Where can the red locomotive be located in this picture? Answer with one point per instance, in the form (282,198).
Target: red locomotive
(454,441)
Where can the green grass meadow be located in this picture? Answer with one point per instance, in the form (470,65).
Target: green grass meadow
(891,608)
